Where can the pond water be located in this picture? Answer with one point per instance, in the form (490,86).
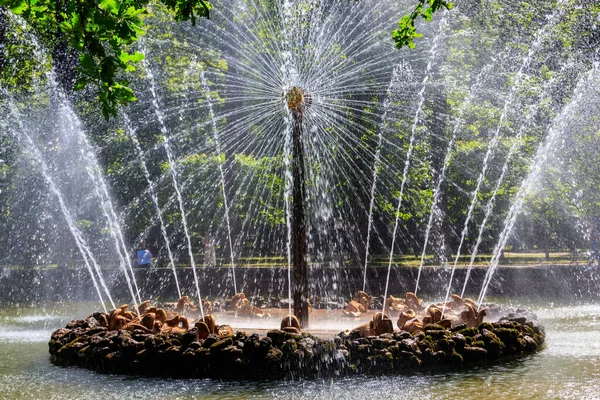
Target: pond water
(567,368)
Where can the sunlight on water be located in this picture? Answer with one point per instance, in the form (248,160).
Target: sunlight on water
(24,335)
(32,319)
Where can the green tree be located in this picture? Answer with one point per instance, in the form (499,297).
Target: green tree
(407,31)
(100,32)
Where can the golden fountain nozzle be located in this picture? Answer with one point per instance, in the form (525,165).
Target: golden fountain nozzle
(294,97)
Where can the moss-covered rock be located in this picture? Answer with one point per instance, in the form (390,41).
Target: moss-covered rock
(507,335)
(220,345)
(279,355)
(485,325)
(469,332)
(459,341)
(433,327)
(474,354)
(493,344)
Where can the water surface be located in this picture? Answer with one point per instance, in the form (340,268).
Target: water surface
(567,368)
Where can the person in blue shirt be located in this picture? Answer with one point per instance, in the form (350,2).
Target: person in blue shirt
(144,258)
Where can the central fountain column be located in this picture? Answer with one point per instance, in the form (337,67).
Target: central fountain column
(295,102)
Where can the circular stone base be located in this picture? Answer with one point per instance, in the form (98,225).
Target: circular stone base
(87,344)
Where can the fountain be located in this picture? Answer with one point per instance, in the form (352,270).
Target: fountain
(161,342)
(305,159)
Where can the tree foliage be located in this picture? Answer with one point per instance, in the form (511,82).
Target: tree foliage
(101,31)
(472,83)
(407,32)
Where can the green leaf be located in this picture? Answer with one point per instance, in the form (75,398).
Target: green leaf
(428,14)
(406,32)
(86,62)
(110,6)
(17,7)
(101,31)
(81,83)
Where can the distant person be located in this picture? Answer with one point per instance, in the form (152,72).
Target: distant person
(595,240)
(144,258)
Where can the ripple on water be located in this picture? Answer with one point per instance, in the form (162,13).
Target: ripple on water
(580,311)
(34,319)
(12,335)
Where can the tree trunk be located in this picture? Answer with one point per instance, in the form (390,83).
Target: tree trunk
(64,58)
(210,255)
(230,173)
(438,142)
(3,23)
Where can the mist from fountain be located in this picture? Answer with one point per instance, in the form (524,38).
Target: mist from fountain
(432,56)
(88,258)
(543,154)
(537,41)
(217,141)
(383,125)
(531,112)
(71,126)
(457,124)
(159,212)
(172,168)
(70,132)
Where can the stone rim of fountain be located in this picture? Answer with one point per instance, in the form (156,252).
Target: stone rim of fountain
(286,354)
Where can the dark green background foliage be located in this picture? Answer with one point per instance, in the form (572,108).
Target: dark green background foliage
(101,32)
(483,42)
